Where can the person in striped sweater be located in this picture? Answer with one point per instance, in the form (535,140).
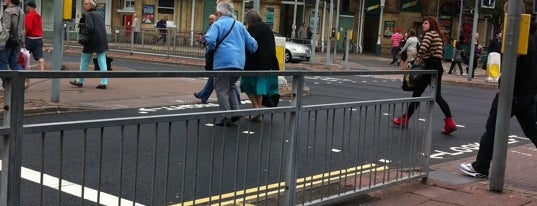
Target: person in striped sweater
(431,52)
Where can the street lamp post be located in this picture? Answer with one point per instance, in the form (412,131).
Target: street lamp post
(378,48)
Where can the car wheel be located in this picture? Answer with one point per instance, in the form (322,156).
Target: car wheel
(288,56)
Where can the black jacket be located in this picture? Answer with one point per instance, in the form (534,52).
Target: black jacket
(92,24)
(265,56)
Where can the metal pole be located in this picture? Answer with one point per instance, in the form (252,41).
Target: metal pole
(472,46)
(460,21)
(315,29)
(293,33)
(497,170)
(57,53)
(292,149)
(337,30)
(192,23)
(361,27)
(437,8)
(379,46)
(330,19)
(243,7)
(324,26)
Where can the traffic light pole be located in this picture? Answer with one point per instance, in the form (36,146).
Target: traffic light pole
(473,41)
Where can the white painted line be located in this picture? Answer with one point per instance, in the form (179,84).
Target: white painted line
(209,125)
(385,161)
(248,132)
(423,120)
(461,126)
(336,150)
(72,188)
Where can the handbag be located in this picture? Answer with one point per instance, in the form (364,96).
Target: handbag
(13,39)
(271,100)
(209,56)
(412,78)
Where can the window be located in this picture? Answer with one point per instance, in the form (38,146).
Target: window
(128,4)
(166,6)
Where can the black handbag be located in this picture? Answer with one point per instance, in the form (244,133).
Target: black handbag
(209,56)
(271,100)
(412,78)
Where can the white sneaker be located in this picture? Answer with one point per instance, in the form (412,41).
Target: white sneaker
(469,170)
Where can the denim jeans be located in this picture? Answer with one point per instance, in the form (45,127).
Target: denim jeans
(523,108)
(85,60)
(9,59)
(206,92)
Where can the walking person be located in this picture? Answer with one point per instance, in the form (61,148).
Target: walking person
(33,26)
(161,27)
(430,53)
(136,28)
(396,44)
(523,105)
(410,48)
(233,42)
(12,36)
(263,59)
(457,58)
(204,94)
(92,26)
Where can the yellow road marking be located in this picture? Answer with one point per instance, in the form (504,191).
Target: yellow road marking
(301,183)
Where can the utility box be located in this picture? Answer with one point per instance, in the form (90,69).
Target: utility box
(493,67)
(280,52)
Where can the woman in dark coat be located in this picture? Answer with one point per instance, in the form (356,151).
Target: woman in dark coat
(92,26)
(263,59)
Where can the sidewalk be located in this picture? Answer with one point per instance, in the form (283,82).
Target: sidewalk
(445,185)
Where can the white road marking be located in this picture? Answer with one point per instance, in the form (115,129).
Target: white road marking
(336,150)
(248,132)
(72,188)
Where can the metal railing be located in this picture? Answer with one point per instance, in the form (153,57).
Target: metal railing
(170,42)
(299,155)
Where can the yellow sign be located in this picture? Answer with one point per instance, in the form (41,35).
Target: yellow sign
(67,10)
(523,35)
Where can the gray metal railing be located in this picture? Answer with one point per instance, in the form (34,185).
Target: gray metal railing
(176,42)
(299,155)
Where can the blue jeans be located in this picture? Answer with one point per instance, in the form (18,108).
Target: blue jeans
(206,92)
(523,108)
(9,57)
(85,60)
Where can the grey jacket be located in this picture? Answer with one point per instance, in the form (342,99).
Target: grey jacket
(9,18)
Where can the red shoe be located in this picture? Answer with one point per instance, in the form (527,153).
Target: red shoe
(401,121)
(449,126)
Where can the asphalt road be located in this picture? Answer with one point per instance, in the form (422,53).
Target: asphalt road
(225,154)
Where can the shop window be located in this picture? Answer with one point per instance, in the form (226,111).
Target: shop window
(166,6)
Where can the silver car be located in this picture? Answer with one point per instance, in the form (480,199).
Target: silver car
(295,52)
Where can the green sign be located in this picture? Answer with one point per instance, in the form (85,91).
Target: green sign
(269,17)
(411,6)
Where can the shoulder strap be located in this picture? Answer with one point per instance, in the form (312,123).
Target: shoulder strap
(227,34)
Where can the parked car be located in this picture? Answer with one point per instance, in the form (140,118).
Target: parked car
(295,52)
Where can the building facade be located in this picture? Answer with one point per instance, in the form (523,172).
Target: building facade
(359,16)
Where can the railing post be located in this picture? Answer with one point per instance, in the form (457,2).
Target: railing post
(12,144)
(292,150)
(428,139)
